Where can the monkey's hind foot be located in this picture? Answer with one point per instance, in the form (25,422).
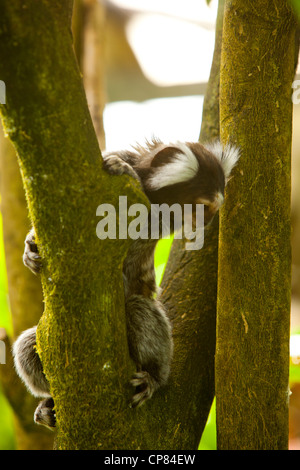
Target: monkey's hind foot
(145,387)
(44,413)
(31,257)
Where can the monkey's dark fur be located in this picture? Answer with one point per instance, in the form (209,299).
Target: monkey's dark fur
(183,173)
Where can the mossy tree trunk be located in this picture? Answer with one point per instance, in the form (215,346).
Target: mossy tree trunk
(252,355)
(82,335)
(25,290)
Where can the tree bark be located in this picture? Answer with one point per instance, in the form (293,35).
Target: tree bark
(252,354)
(25,296)
(88,27)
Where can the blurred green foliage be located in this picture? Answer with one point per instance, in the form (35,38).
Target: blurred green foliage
(5,317)
(209,435)
(6,417)
(162,252)
(296,6)
(7,438)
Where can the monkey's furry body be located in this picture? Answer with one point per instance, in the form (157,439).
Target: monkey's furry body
(182,173)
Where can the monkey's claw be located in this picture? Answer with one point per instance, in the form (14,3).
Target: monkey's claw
(44,414)
(31,257)
(145,387)
(114,165)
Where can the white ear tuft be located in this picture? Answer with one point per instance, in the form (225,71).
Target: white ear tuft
(228,155)
(183,167)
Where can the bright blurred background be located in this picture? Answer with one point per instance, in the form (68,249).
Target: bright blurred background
(158,55)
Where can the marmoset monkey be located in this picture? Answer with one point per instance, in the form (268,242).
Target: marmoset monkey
(182,173)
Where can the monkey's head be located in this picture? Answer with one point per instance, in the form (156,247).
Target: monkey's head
(189,173)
